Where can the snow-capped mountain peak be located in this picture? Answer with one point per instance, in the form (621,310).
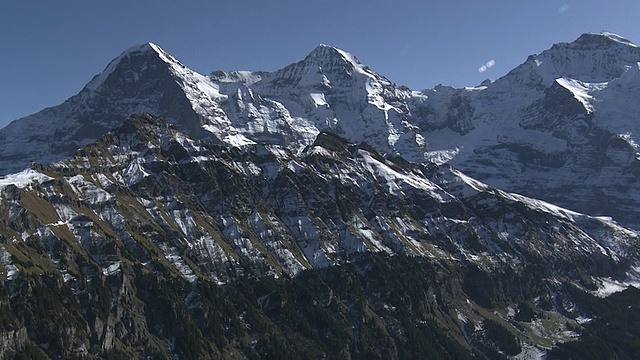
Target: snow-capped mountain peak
(135,57)
(568,115)
(532,119)
(593,57)
(604,37)
(143,78)
(327,54)
(323,66)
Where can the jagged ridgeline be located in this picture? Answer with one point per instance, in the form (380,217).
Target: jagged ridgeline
(150,243)
(561,127)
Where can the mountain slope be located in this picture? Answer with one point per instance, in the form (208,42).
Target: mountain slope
(561,127)
(330,90)
(148,221)
(143,78)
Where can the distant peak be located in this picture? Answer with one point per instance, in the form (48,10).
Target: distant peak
(326,47)
(145,52)
(592,57)
(617,38)
(325,52)
(149,47)
(323,46)
(324,65)
(145,47)
(602,38)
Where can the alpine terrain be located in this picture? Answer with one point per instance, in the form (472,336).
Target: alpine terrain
(322,211)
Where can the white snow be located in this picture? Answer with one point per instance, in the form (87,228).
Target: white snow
(583,320)
(440,157)
(23,179)
(102,179)
(318,99)
(628,138)
(371,236)
(5,260)
(173,256)
(112,269)
(245,77)
(473,183)
(208,88)
(530,352)
(135,172)
(238,140)
(531,203)
(395,180)
(12,272)
(88,191)
(618,38)
(609,286)
(461,317)
(581,90)
(543,206)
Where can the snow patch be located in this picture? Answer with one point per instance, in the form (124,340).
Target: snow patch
(618,38)
(112,269)
(395,180)
(473,183)
(135,172)
(238,140)
(610,286)
(440,157)
(318,99)
(583,320)
(5,261)
(87,190)
(173,256)
(23,179)
(581,90)
(530,352)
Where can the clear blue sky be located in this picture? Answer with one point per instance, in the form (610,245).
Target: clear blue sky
(50,49)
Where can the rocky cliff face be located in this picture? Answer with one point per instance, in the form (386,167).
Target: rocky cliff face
(158,244)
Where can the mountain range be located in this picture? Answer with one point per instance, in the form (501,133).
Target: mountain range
(559,127)
(323,211)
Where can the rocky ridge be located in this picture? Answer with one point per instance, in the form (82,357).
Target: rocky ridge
(147,211)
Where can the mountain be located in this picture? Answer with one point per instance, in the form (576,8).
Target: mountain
(322,211)
(289,106)
(330,90)
(143,78)
(560,127)
(149,242)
